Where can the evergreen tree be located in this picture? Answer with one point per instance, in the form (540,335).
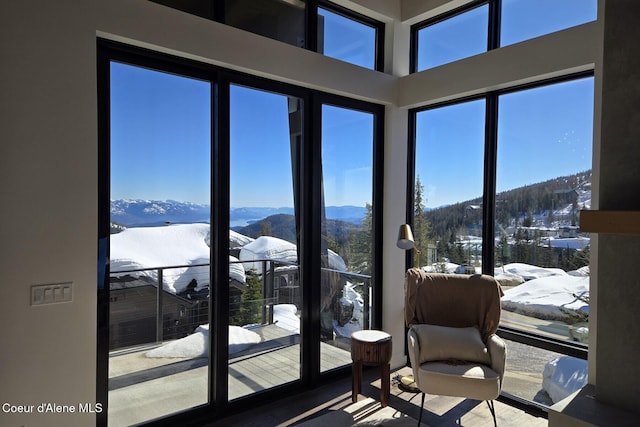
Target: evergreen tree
(251,301)
(420,225)
(360,245)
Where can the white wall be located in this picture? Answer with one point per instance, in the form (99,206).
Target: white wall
(49,207)
(48,167)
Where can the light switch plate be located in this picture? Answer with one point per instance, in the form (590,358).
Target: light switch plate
(51,293)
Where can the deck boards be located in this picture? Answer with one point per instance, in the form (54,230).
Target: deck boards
(144,388)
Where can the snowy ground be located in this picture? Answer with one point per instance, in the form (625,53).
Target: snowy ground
(240,338)
(544,292)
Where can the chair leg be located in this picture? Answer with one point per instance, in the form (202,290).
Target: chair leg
(493,411)
(421,410)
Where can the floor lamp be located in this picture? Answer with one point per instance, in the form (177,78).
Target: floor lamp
(406,242)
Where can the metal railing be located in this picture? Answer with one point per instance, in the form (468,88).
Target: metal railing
(141,312)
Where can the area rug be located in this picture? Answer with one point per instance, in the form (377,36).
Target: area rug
(367,412)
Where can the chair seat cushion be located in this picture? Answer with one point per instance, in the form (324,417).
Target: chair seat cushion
(444,343)
(474,381)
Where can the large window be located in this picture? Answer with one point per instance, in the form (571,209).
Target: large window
(347,228)
(446,40)
(344,37)
(536,142)
(543,180)
(485,25)
(448,140)
(263,146)
(239,232)
(159,258)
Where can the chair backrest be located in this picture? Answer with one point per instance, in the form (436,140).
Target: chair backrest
(455,300)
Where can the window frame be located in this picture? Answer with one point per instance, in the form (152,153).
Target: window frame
(309,258)
(378,26)
(493,30)
(569,348)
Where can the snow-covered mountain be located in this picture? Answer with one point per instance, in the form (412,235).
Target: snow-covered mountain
(144,213)
(132,213)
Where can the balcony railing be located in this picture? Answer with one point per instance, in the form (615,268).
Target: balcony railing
(141,312)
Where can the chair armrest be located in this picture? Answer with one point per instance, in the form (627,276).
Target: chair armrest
(498,351)
(413,348)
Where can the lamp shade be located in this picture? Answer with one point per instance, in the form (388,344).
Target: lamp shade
(405,237)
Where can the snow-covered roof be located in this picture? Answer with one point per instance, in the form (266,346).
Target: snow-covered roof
(166,246)
(273,248)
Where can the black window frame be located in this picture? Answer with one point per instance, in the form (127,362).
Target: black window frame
(493,28)
(491,98)
(218,404)
(378,26)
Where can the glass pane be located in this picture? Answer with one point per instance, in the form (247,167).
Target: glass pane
(526,19)
(159,246)
(347,183)
(265,289)
(543,181)
(346,39)
(542,376)
(455,38)
(448,188)
(276,19)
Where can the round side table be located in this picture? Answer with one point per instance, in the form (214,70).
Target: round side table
(371,348)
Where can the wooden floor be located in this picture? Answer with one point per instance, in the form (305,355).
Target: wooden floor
(439,410)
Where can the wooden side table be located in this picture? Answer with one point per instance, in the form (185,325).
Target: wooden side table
(371,348)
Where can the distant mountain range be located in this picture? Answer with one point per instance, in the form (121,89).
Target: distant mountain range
(283,226)
(145,213)
(142,213)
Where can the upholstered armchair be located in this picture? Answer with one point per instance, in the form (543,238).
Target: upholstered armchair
(452,345)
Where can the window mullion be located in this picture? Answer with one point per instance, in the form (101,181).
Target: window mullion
(493,39)
(489,191)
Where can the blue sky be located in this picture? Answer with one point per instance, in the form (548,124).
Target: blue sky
(261,152)
(260,149)
(161,130)
(543,133)
(160,136)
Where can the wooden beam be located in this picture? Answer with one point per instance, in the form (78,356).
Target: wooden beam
(612,222)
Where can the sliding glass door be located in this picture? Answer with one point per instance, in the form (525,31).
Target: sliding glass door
(237,231)
(346,254)
(265,290)
(159,243)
